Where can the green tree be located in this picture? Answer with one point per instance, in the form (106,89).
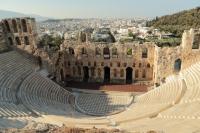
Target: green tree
(48,40)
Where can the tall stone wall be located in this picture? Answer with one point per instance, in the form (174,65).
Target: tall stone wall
(188,53)
(93,56)
(165,62)
(159,64)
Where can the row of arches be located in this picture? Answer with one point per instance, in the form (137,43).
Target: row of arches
(106,52)
(15,26)
(107,74)
(17,40)
(112,64)
(85,72)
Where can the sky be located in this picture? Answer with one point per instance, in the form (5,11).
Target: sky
(98,8)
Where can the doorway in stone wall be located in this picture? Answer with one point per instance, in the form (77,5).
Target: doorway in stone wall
(129,75)
(106,74)
(85,74)
(62,75)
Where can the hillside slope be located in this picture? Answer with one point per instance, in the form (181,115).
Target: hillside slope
(177,23)
(10,14)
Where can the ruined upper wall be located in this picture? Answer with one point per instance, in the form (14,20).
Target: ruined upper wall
(186,54)
(21,33)
(3,46)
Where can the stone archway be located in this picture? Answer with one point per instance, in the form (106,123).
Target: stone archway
(129,75)
(26,40)
(177,65)
(18,42)
(7,26)
(106,74)
(62,75)
(24,26)
(106,53)
(10,41)
(14,24)
(85,74)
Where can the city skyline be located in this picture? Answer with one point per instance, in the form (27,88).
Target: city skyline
(98,9)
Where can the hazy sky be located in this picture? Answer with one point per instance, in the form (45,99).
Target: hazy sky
(98,8)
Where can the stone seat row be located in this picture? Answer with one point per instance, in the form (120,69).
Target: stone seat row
(43,95)
(153,102)
(96,104)
(42,87)
(13,60)
(13,110)
(188,108)
(10,78)
(183,111)
(167,93)
(192,78)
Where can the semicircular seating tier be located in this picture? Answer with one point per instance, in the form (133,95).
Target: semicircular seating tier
(14,68)
(43,96)
(102,104)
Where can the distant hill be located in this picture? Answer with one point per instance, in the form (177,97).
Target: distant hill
(10,14)
(177,23)
(65,19)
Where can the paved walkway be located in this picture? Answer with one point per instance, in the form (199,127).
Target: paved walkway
(108,87)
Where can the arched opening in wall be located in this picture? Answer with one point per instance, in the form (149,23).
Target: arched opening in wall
(114,52)
(92,71)
(177,65)
(148,65)
(24,26)
(143,73)
(26,40)
(122,73)
(97,51)
(106,74)
(136,73)
(10,41)
(129,51)
(18,42)
(62,75)
(140,65)
(115,73)
(39,61)
(85,74)
(84,51)
(129,75)
(7,26)
(106,53)
(14,24)
(95,64)
(99,72)
(144,53)
(196,41)
(82,37)
(79,71)
(134,64)
(118,64)
(71,51)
